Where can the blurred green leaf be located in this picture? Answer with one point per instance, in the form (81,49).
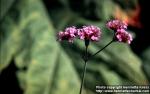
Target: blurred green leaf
(65,80)
(146,62)
(5,5)
(10,40)
(32,43)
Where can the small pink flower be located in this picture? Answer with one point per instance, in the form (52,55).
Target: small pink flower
(123,36)
(91,32)
(69,34)
(116,24)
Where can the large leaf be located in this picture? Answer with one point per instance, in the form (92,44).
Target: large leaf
(31,41)
(11,38)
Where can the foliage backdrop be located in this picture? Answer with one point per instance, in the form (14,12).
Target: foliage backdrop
(45,66)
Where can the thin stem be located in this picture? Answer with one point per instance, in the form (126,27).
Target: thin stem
(84,72)
(102,48)
(83,76)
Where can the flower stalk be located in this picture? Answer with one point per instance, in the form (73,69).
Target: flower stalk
(83,76)
(84,72)
(85,58)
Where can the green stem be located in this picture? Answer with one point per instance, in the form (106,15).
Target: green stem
(83,76)
(101,49)
(84,71)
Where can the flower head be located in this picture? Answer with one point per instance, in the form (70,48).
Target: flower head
(116,24)
(123,36)
(69,34)
(91,32)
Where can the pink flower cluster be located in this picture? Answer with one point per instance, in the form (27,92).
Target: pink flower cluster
(69,34)
(116,24)
(119,28)
(91,32)
(86,33)
(123,36)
